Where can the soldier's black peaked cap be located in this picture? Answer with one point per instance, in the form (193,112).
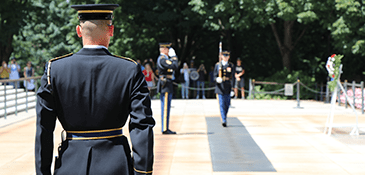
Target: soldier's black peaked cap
(95,11)
(165,45)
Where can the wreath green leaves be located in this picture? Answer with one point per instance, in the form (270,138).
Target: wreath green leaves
(336,72)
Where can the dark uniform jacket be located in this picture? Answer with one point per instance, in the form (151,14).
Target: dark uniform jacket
(94,90)
(165,68)
(227,73)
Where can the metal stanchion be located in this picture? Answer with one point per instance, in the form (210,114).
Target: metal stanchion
(298,94)
(250,88)
(253,89)
(327,92)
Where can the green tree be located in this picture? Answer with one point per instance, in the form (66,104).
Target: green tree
(47,33)
(228,15)
(12,15)
(348,33)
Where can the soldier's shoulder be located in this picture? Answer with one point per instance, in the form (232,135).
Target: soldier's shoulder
(126,58)
(60,57)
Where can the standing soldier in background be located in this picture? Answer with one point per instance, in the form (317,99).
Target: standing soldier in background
(224,72)
(92,93)
(166,67)
(240,81)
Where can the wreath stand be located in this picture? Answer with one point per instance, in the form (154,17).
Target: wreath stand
(329,123)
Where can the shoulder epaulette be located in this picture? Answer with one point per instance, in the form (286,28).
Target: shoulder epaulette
(49,66)
(129,59)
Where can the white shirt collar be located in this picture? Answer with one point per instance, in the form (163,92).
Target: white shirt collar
(95,47)
(224,62)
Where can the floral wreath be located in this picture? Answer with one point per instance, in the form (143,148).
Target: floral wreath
(333,66)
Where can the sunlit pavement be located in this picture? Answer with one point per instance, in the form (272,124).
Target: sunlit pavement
(291,139)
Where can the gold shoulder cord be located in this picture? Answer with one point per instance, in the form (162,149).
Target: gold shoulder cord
(49,66)
(129,59)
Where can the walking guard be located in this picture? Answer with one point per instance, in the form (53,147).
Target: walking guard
(224,72)
(166,68)
(92,93)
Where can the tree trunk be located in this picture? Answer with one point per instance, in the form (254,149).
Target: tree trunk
(6,50)
(287,46)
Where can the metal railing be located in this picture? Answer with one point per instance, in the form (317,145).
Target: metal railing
(15,83)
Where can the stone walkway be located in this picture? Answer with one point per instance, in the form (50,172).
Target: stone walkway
(291,139)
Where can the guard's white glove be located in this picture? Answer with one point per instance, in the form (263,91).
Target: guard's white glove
(218,80)
(329,65)
(172,52)
(232,94)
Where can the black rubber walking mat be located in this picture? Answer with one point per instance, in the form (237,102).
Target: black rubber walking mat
(233,149)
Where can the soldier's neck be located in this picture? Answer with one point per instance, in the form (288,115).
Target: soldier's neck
(90,42)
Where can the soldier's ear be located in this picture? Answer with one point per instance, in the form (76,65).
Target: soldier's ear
(78,31)
(111,30)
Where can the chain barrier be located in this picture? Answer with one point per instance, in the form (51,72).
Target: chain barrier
(310,89)
(274,92)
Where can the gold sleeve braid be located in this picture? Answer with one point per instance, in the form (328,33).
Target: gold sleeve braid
(49,66)
(145,172)
(129,59)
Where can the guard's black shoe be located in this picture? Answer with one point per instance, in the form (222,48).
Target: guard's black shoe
(168,132)
(224,124)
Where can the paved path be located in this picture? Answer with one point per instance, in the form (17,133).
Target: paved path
(291,139)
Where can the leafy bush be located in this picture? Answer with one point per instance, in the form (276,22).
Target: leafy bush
(285,76)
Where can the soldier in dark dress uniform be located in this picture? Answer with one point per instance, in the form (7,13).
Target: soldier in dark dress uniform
(92,93)
(166,67)
(224,72)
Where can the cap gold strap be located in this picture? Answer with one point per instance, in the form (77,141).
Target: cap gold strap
(95,11)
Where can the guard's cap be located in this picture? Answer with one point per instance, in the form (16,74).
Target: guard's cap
(95,11)
(225,53)
(165,45)
(238,59)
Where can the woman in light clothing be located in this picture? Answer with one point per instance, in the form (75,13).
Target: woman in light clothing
(29,72)
(14,71)
(185,85)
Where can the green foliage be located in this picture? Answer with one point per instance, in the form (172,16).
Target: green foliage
(42,29)
(44,35)
(260,95)
(336,72)
(285,76)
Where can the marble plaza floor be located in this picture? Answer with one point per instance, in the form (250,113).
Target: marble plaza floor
(291,140)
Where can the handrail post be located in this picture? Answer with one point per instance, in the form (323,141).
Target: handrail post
(5,100)
(353,91)
(321,96)
(26,96)
(345,84)
(16,97)
(362,96)
(339,95)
